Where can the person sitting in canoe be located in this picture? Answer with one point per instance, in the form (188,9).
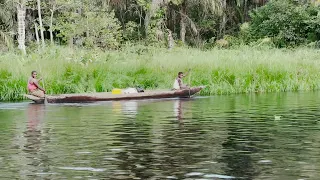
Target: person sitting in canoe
(34,87)
(178,84)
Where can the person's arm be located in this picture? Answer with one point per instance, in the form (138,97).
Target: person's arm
(38,86)
(186,74)
(180,84)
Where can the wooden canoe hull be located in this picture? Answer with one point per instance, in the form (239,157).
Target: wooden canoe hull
(35,99)
(107,96)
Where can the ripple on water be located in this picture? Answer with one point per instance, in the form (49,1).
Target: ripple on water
(83,152)
(83,169)
(194,174)
(225,137)
(218,176)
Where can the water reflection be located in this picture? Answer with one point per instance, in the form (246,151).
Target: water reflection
(135,155)
(224,137)
(127,108)
(35,116)
(177,109)
(33,135)
(130,108)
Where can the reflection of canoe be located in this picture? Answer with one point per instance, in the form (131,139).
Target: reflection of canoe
(107,96)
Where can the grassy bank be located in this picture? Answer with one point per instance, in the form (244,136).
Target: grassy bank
(240,70)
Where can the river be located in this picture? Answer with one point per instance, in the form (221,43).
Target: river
(256,136)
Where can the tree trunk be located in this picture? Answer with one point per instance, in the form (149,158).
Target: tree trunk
(170,40)
(51,19)
(183,21)
(21,13)
(224,19)
(37,34)
(155,4)
(146,23)
(245,11)
(87,28)
(70,41)
(40,22)
(29,25)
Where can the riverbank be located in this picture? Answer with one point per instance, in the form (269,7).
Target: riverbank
(224,71)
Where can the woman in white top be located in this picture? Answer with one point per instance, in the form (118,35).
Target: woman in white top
(178,84)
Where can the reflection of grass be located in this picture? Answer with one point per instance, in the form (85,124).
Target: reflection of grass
(242,70)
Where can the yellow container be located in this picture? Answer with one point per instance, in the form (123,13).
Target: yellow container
(116,91)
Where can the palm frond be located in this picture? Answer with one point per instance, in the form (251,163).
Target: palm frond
(6,38)
(7,14)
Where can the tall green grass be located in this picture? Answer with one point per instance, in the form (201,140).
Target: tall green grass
(241,70)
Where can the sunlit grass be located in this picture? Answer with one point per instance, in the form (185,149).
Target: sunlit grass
(242,70)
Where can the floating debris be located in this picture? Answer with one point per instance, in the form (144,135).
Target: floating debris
(171,177)
(139,166)
(265,161)
(277,117)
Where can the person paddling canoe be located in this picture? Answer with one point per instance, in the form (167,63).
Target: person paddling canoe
(33,86)
(178,84)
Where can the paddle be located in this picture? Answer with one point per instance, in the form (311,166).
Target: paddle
(189,72)
(43,85)
(45,97)
(189,83)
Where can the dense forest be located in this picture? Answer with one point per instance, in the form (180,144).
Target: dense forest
(232,46)
(107,24)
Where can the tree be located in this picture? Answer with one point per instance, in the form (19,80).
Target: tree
(40,22)
(150,11)
(55,5)
(287,23)
(89,26)
(52,10)
(21,15)
(7,22)
(194,22)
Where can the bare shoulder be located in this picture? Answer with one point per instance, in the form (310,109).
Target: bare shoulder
(31,80)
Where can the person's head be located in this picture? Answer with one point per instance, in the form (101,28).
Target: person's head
(180,74)
(34,74)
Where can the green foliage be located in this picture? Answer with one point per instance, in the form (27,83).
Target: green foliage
(10,87)
(237,70)
(109,24)
(244,35)
(287,23)
(7,23)
(177,2)
(131,31)
(91,29)
(157,35)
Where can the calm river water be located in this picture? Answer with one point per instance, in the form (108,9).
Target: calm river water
(219,137)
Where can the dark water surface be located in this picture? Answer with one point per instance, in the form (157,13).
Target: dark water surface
(220,137)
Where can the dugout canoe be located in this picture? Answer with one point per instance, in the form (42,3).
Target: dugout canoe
(108,96)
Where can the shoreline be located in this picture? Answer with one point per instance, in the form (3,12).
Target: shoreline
(223,71)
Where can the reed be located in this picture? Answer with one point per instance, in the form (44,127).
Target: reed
(224,71)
